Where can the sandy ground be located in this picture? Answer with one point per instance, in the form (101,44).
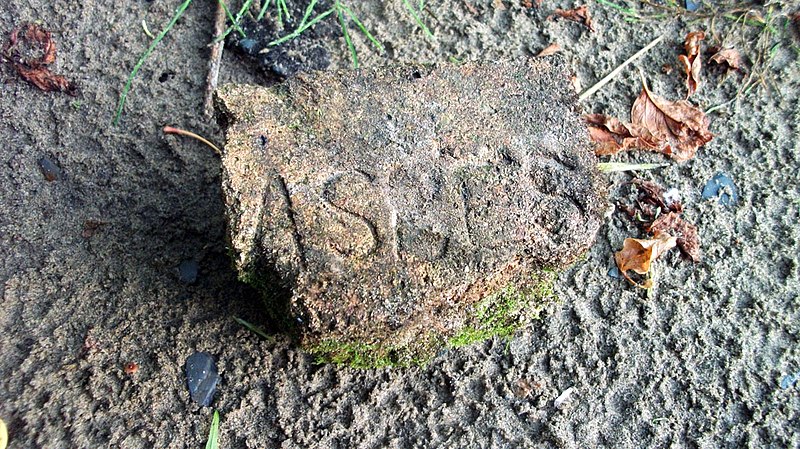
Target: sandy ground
(695,363)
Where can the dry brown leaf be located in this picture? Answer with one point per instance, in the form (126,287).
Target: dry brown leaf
(692,43)
(678,127)
(652,193)
(691,62)
(729,57)
(550,50)
(31,49)
(687,239)
(639,254)
(579,14)
(531,3)
(498,5)
(44,79)
(612,136)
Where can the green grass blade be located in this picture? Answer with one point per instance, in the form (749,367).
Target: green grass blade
(350,46)
(363,29)
(300,30)
(624,10)
(253,328)
(263,10)
(213,432)
(309,10)
(124,95)
(417,19)
(227,11)
(282,5)
(280,15)
(245,7)
(235,23)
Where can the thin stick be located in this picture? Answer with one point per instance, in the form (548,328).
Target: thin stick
(183,132)
(214,60)
(621,166)
(606,79)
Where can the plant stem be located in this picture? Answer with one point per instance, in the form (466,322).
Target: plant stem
(183,132)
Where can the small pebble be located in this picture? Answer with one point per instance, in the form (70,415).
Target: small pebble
(721,186)
(201,377)
(187,271)
(614,273)
(130,368)
(49,169)
(672,196)
(692,5)
(564,398)
(788,381)
(249,46)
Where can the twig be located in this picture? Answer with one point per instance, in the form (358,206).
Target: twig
(183,132)
(606,79)
(621,166)
(214,60)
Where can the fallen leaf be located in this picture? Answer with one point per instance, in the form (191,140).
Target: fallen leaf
(686,233)
(692,43)
(678,127)
(652,193)
(30,49)
(579,14)
(45,80)
(729,57)
(531,3)
(550,50)
(674,128)
(498,5)
(639,254)
(612,136)
(691,62)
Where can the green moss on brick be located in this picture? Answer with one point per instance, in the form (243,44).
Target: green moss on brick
(503,313)
(366,356)
(500,314)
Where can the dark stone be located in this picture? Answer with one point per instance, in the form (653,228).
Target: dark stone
(201,377)
(49,169)
(721,186)
(187,271)
(392,202)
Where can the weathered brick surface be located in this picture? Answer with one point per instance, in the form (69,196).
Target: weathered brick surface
(391,200)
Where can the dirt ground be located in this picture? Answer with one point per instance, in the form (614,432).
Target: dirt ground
(90,280)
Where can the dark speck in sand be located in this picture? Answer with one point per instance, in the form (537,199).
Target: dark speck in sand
(187,271)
